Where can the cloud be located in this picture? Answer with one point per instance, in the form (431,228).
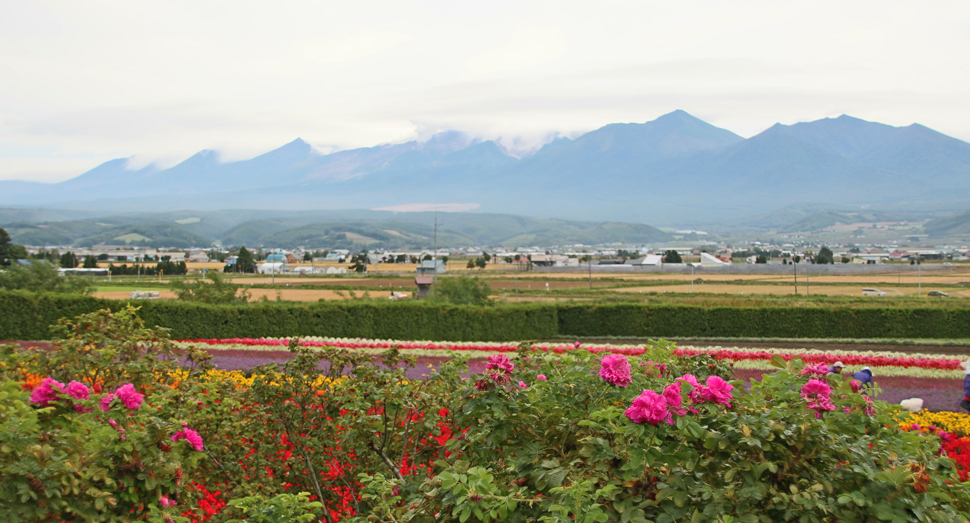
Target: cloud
(105,80)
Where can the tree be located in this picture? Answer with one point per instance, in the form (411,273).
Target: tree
(215,290)
(761,259)
(825,256)
(796,258)
(104,257)
(68,260)
(17,252)
(471,264)
(40,276)
(245,261)
(480,263)
(487,257)
(359,263)
(4,247)
(308,256)
(672,256)
(90,262)
(462,291)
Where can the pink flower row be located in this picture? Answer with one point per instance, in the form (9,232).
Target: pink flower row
(848,359)
(721,354)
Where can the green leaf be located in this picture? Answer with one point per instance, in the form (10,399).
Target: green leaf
(680,499)
(778,361)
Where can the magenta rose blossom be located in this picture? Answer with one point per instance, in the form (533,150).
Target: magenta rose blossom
(817,394)
(816,369)
(718,391)
(541,377)
(674,400)
(696,395)
(106,402)
(649,407)
(615,369)
(191,436)
(77,390)
(47,392)
(523,385)
(129,397)
(500,362)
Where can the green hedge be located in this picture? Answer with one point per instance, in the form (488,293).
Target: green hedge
(26,316)
(763,322)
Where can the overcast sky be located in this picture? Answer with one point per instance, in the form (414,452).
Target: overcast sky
(87,81)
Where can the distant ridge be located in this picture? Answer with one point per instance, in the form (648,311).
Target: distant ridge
(676,168)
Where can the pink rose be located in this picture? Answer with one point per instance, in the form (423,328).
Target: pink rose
(47,392)
(718,391)
(649,407)
(77,390)
(674,400)
(106,402)
(541,377)
(191,436)
(615,369)
(696,395)
(523,385)
(129,397)
(500,362)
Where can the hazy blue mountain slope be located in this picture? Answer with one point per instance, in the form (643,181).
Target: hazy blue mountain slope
(158,233)
(845,135)
(949,225)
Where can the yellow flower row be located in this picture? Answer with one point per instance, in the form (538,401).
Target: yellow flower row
(239,379)
(956,423)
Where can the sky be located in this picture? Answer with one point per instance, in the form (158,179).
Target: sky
(86,82)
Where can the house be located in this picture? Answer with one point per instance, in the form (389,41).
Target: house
(650,260)
(199,258)
(554,260)
(277,257)
(272,268)
(424,286)
(432,267)
(710,260)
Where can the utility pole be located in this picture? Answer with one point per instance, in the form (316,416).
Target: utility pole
(434,256)
(919,276)
(516,281)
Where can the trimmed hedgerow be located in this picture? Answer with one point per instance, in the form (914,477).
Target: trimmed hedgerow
(26,316)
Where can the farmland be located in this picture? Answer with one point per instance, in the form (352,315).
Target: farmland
(901,285)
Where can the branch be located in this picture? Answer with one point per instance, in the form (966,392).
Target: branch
(387,461)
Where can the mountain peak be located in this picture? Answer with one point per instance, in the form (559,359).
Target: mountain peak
(448,141)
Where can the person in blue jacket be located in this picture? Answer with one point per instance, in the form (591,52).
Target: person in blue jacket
(965,404)
(864,377)
(836,368)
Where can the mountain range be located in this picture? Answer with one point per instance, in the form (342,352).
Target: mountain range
(676,169)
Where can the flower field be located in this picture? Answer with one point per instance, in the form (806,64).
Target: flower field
(114,422)
(937,379)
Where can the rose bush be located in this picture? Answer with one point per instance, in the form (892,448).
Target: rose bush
(576,448)
(116,432)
